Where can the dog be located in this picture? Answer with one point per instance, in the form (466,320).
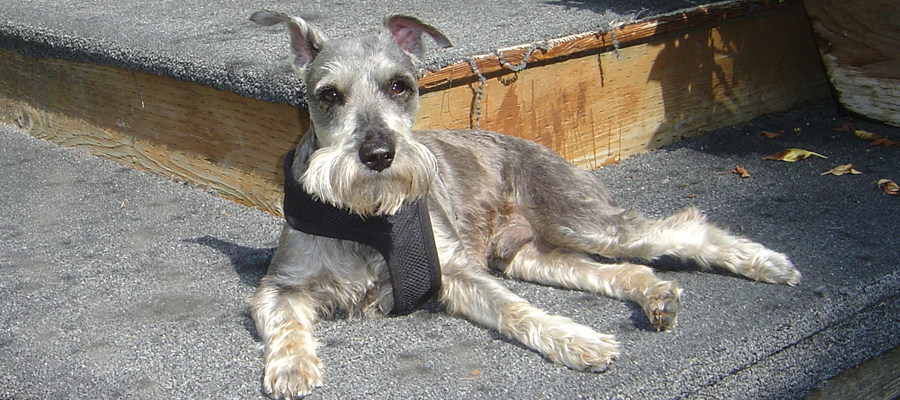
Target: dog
(494,202)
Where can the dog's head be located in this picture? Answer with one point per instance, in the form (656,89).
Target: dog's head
(363,96)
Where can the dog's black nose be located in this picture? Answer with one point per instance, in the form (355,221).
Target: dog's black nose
(377,153)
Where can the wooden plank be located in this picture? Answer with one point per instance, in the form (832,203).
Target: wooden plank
(619,36)
(598,108)
(860,45)
(212,137)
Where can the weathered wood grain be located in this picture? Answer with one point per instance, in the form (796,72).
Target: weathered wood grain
(615,36)
(859,41)
(600,107)
(215,138)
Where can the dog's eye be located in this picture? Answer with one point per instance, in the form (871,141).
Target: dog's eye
(399,87)
(330,95)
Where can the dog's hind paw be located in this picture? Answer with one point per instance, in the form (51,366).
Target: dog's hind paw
(292,377)
(662,305)
(773,267)
(781,271)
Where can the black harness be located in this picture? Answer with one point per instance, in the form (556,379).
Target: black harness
(404,239)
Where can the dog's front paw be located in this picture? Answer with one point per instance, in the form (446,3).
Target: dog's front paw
(292,377)
(580,347)
(595,352)
(662,305)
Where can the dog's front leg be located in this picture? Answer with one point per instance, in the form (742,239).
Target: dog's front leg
(285,318)
(471,292)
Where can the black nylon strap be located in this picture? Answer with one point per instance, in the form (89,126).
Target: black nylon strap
(404,239)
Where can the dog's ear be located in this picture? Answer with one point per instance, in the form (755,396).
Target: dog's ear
(306,40)
(407,32)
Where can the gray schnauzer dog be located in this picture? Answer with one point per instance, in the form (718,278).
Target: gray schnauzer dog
(494,201)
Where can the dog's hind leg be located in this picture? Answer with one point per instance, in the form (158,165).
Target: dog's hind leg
(468,290)
(688,236)
(569,208)
(685,235)
(472,293)
(519,254)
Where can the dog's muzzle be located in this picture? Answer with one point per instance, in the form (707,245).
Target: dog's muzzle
(404,239)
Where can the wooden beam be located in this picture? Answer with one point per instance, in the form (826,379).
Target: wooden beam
(215,138)
(599,107)
(860,45)
(592,42)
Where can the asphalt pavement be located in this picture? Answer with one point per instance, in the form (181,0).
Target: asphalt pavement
(116,283)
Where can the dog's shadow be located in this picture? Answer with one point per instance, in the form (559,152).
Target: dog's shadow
(665,263)
(249,264)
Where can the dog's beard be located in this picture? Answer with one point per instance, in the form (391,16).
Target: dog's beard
(336,176)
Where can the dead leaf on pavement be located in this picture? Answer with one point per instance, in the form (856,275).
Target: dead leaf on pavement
(889,187)
(771,135)
(884,142)
(865,135)
(841,170)
(791,155)
(875,139)
(845,128)
(737,170)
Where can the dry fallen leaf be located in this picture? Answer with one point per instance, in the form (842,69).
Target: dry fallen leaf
(884,142)
(791,155)
(841,170)
(865,135)
(845,128)
(771,135)
(889,187)
(875,139)
(737,170)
